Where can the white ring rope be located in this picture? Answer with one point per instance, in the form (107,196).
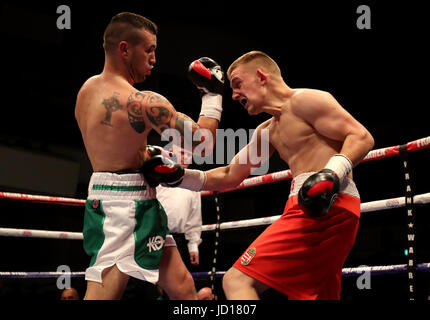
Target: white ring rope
(250,182)
(42,199)
(264,179)
(365,207)
(28,233)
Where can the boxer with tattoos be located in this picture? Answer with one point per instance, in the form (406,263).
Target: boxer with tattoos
(125,227)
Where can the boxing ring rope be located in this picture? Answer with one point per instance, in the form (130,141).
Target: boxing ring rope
(250,182)
(376,154)
(42,199)
(346,272)
(365,207)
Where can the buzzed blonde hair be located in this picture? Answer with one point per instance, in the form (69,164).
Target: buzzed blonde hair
(261,59)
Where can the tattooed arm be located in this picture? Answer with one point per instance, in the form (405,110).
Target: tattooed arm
(148,108)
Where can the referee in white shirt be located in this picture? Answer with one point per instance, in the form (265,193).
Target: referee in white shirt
(184,212)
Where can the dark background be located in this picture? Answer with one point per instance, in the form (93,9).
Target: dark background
(378,75)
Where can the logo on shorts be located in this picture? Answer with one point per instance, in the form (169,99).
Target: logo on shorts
(95,204)
(248,256)
(155,243)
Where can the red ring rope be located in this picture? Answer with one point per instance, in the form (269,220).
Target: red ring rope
(250,182)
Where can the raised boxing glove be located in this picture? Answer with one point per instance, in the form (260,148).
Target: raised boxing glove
(208,77)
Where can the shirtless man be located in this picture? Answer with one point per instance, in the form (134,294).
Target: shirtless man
(302,253)
(125,227)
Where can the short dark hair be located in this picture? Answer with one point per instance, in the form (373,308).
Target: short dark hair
(123,26)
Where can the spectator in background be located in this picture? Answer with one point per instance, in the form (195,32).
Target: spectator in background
(70,294)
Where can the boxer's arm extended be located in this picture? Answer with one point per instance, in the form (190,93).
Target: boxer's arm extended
(226,177)
(329,119)
(159,170)
(251,156)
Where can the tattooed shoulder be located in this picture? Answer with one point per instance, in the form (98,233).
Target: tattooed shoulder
(159,111)
(111,105)
(135,111)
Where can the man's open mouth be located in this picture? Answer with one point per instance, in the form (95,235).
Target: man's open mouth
(243,101)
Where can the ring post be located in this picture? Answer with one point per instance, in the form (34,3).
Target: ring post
(409,204)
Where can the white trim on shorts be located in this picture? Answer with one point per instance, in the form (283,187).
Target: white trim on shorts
(117,193)
(347,185)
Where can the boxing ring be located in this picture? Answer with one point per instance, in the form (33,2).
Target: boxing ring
(409,201)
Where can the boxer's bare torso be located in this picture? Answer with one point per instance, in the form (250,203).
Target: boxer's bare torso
(296,140)
(115,119)
(307,127)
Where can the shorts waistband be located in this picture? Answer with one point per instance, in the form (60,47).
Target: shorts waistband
(119,186)
(347,186)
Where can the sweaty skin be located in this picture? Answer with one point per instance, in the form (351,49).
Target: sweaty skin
(115,118)
(307,126)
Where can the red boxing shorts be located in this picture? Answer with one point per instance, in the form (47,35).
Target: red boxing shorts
(303,256)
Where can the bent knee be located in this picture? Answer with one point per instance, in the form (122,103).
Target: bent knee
(184,280)
(238,285)
(182,288)
(188,280)
(234,278)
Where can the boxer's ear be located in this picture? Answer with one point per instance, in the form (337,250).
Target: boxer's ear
(262,76)
(123,49)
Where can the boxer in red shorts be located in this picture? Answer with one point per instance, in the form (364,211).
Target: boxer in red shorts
(303,252)
(300,255)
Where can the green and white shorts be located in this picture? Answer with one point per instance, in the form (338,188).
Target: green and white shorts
(124,224)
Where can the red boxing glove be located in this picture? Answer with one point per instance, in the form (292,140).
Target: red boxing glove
(319,192)
(162,170)
(152,150)
(208,77)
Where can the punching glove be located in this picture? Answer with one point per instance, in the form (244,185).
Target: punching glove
(208,77)
(152,150)
(320,190)
(162,170)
